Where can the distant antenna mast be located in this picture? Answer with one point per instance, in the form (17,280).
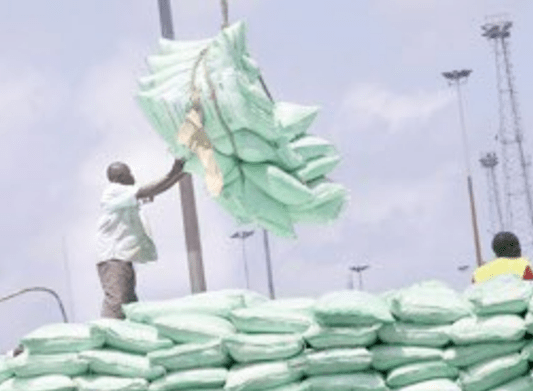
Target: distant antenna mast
(518,198)
(489,162)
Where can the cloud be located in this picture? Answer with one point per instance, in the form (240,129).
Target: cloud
(368,104)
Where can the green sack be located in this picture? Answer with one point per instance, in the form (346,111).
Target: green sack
(318,167)
(111,362)
(497,328)
(280,185)
(528,350)
(5,369)
(333,361)
(493,373)
(110,383)
(330,199)
(505,294)
(263,347)
(419,372)
(529,322)
(293,119)
(524,383)
(207,378)
(312,147)
(130,336)
(184,328)
(387,357)
(258,377)
(351,308)
(260,320)
(320,337)
(433,385)
(219,303)
(191,356)
(298,386)
(31,365)
(63,338)
(463,356)
(39,383)
(430,302)
(414,334)
(303,305)
(363,381)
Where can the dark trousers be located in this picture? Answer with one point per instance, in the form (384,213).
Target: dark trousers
(118,282)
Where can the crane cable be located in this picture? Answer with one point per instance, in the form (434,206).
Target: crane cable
(39,289)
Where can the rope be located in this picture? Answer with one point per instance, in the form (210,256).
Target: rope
(225,17)
(41,289)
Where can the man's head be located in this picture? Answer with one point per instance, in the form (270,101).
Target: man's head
(120,173)
(506,244)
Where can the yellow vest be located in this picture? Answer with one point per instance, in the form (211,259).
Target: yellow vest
(500,266)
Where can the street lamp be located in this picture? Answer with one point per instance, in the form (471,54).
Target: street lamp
(244,235)
(457,78)
(359,269)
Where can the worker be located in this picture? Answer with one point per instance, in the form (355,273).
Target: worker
(509,260)
(122,238)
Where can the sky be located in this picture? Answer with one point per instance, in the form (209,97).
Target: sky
(68,74)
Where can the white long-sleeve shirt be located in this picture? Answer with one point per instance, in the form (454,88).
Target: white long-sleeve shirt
(121,232)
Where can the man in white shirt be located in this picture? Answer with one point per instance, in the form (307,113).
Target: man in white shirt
(122,238)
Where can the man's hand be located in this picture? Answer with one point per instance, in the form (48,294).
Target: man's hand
(177,168)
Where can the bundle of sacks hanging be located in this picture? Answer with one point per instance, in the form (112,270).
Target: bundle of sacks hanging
(426,337)
(207,100)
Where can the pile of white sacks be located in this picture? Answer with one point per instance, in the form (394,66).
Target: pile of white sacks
(426,337)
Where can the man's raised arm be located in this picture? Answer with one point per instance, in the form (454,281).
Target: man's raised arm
(155,188)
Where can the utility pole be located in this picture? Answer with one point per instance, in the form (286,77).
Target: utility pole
(269,266)
(188,204)
(359,269)
(457,77)
(244,235)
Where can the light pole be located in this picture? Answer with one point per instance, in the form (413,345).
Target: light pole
(244,235)
(188,204)
(359,269)
(457,78)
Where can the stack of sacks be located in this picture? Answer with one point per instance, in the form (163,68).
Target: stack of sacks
(489,346)
(338,359)
(255,154)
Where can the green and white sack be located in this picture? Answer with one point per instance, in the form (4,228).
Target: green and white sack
(110,383)
(432,385)
(419,372)
(528,350)
(529,322)
(387,357)
(261,320)
(298,304)
(493,373)
(211,354)
(320,337)
(524,383)
(297,386)
(363,381)
(63,338)
(334,361)
(258,377)
(311,147)
(130,336)
(196,328)
(505,294)
(479,329)
(263,347)
(430,302)
(32,365)
(115,363)
(414,334)
(351,308)
(5,370)
(39,383)
(464,356)
(207,378)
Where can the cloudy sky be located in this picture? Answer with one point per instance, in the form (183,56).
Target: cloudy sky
(68,75)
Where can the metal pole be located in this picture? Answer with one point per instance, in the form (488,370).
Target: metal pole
(69,281)
(247,274)
(269,266)
(188,204)
(360,280)
(479,258)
